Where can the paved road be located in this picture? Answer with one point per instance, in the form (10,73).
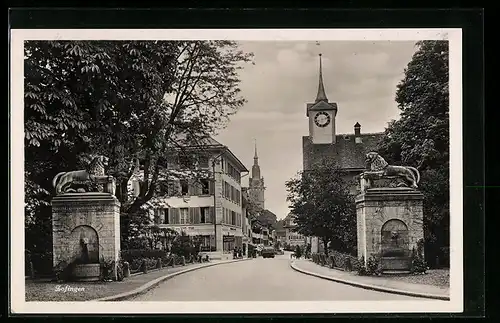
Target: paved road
(258,280)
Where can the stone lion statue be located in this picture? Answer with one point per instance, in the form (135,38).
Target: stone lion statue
(378,166)
(65,182)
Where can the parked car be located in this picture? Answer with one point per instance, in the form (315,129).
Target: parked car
(268,252)
(280,251)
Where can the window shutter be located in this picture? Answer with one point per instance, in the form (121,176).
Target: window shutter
(211,187)
(166,216)
(162,216)
(191,215)
(197,215)
(156,218)
(171,216)
(211,214)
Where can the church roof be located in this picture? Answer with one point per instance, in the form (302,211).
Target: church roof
(346,152)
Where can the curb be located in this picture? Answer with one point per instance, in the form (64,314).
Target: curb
(371,287)
(154,282)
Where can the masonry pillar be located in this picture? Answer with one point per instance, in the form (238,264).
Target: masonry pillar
(86,232)
(389,225)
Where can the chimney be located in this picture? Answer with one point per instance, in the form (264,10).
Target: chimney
(357,133)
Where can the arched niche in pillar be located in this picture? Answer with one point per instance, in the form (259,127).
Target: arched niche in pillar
(395,239)
(85,243)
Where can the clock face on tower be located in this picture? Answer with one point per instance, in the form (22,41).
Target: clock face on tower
(322,119)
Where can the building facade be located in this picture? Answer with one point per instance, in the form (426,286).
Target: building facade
(292,238)
(208,207)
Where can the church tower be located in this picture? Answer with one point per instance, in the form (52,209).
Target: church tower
(321,115)
(256,186)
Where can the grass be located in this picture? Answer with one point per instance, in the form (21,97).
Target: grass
(435,277)
(70,292)
(48,291)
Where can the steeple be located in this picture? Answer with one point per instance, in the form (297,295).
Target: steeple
(255,167)
(321,96)
(255,157)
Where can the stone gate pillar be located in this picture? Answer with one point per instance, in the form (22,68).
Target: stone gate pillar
(389,225)
(86,231)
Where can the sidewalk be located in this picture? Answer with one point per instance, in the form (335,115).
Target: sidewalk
(383,284)
(39,290)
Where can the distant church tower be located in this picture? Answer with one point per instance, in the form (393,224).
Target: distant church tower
(321,115)
(256,183)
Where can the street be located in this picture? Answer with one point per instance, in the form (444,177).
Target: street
(259,279)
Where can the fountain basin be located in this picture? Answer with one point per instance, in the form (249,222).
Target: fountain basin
(395,263)
(87,272)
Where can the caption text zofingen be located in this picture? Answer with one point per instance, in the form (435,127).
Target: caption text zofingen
(67,288)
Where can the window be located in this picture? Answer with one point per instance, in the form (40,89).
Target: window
(205,186)
(233,218)
(184,187)
(205,215)
(185,162)
(203,161)
(228,191)
(160,216)
(184,215)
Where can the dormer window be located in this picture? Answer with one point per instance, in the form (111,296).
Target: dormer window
(346,137)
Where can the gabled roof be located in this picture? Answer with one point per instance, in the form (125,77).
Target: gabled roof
(346,152)
(192,142)
(321,106)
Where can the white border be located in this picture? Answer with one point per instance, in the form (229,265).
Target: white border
(18,303)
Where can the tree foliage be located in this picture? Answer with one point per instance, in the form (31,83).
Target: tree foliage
(421,136)
(323,206)
(128,100)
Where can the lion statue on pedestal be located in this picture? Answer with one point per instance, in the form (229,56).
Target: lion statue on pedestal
(380,168)
(94,175)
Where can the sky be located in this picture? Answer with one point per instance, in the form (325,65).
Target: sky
(360,76)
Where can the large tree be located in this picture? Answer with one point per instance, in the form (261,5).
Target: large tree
(420,137)
(128,100)
(323,206)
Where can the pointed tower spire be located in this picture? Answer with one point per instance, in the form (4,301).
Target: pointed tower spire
(321,88)
(255,156)
(255,167)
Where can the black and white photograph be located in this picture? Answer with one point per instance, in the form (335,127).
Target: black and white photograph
(236,171)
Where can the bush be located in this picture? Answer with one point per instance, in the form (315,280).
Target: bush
(132,254)
(342,261)
(373,265)
(107,270)
(42,264)
(418,264)
(361,268)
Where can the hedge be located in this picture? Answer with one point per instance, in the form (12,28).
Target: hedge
(336,260)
